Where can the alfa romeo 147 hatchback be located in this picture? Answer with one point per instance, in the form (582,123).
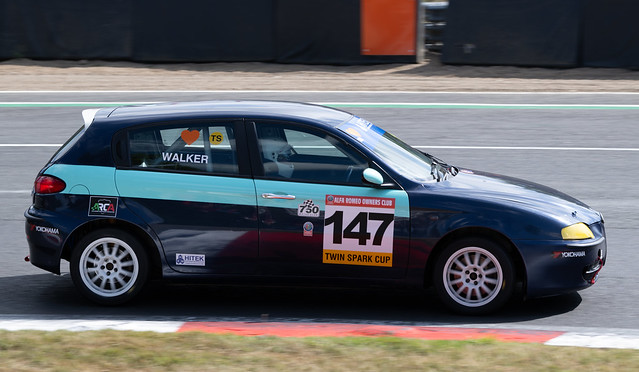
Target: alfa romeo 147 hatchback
(292,193)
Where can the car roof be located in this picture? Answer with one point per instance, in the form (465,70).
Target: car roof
(276,110)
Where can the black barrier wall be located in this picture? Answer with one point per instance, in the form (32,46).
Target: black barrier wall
(69,29)
(326,30)
(513,32)
(202,30)
(611,34)
(141,30)
(548,33)
(288,31)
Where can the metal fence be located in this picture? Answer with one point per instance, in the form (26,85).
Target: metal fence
(434,25)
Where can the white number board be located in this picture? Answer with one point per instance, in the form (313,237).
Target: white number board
(358,230)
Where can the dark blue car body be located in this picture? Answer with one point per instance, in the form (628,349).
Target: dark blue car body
(289,193)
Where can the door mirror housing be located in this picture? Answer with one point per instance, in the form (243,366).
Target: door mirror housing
(373,177)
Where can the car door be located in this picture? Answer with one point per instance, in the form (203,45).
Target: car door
(190,182)
(316,215)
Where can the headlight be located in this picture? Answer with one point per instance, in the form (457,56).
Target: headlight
(577,231)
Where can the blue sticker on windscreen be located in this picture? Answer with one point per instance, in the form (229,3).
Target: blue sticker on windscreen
(363,130)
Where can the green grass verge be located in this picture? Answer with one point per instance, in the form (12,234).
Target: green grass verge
(194,351)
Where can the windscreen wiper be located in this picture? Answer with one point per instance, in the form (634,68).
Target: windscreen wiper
(440,169)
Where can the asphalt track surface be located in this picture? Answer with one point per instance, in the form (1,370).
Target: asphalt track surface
(583,144)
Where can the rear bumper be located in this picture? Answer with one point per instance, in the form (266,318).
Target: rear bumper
(45,240)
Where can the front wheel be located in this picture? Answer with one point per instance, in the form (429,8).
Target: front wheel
(474,276)
(109,266)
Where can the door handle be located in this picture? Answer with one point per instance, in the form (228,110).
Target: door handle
(268,195)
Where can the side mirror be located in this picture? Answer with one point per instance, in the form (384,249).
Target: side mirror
(375,178)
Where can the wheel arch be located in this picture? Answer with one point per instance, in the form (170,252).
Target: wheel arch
(148,243)
(476,232)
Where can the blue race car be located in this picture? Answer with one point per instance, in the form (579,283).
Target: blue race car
(289,193)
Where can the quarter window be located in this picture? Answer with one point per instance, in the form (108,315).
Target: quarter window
(194,148)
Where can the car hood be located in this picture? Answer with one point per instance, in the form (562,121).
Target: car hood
(520,193)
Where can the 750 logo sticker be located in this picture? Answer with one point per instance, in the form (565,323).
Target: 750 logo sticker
(358,230)
(308,209)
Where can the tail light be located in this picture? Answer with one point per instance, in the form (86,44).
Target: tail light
(48,185)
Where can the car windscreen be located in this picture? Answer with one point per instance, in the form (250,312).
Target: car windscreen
(404,159)
(67,145)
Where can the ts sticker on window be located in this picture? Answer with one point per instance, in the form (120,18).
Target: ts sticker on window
(216,138)
(103,206)
(358,230)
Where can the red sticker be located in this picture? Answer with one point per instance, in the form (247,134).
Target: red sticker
(190,136)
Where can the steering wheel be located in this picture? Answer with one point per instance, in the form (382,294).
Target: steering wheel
(285,153)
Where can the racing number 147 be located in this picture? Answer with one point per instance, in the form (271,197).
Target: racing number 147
(361,220)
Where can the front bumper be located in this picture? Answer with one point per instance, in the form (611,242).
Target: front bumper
(556,267)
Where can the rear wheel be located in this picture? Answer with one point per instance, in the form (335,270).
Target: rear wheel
(474,276)
(109,266)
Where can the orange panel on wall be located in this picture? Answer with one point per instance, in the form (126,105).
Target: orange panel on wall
(388,27)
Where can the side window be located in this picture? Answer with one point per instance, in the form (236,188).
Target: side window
(206,148)
(304,154)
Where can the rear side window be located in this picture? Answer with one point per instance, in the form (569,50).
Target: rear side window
(67,145)
(208,148)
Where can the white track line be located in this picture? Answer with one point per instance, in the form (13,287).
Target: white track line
(474,104)
(89,325)
(30,144)
(529,148)
(63,104)
(513,148)
(76,103)
(310,91)
(601,339)
(625,339)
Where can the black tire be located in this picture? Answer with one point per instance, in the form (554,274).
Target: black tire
(109,266)
(474,276)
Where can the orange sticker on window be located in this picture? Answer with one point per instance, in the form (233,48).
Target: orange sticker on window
(190,136)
